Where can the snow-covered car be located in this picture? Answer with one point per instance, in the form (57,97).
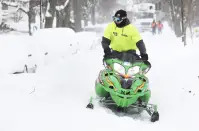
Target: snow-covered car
(13,54)
(25,54)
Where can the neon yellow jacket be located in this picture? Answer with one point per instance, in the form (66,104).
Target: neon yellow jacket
(122,39)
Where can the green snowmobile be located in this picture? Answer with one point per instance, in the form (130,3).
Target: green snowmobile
(123,84)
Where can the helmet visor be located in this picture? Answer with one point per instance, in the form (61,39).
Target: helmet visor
(118,19)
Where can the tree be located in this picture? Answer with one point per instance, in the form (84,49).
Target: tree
(189,14)
(50,13)
(60,10)
(89,7)
(77,14)
(106,8)
(62,13)
(93,5)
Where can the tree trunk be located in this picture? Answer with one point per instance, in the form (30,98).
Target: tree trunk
(183,26)
(93,15)
(49,20)
(67,17)
(31,17)
(172,14)
(77,14)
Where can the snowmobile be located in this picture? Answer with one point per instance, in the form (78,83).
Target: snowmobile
(123,84)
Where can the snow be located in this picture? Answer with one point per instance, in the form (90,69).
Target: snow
(54,98)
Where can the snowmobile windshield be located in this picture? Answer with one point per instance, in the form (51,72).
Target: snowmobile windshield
(128,56)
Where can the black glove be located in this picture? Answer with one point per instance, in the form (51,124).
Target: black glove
(144,57)
(107,54)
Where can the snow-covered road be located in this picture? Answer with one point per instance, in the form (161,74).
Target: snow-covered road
(55,97)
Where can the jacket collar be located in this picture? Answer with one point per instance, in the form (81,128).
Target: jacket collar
(123,24)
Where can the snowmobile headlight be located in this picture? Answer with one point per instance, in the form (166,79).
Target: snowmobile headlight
(119,68)
(133,70)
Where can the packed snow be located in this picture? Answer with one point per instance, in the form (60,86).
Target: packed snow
(55,97)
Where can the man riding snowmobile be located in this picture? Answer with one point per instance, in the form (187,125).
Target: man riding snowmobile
(121,36)
(122,84)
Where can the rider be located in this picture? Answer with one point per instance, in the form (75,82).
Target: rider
(153,26)
(121,36)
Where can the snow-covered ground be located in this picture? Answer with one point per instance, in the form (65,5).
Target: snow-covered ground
(54,98)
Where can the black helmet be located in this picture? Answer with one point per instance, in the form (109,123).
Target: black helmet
(120,15)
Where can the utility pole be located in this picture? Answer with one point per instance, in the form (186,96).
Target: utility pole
(183,29)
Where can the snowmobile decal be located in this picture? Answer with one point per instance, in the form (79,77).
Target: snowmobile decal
(139,87)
